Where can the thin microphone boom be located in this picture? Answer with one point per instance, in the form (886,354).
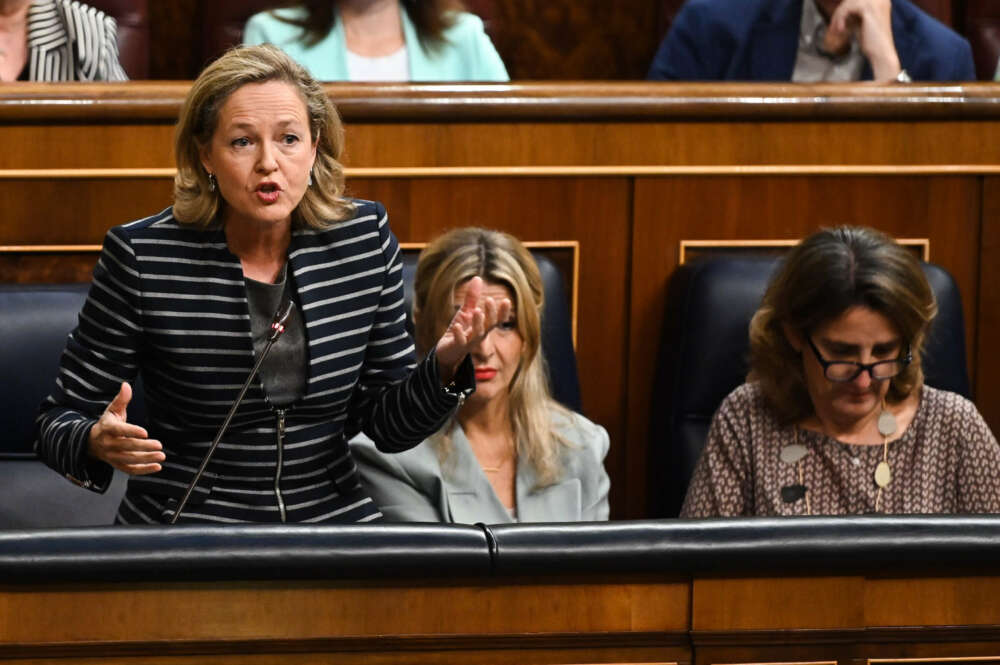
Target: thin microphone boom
(277,328)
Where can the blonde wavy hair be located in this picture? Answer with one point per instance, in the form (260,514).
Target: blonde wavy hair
(826,274)
(195,202)
(498,258)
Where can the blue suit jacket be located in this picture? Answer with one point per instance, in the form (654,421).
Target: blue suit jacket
(757,40)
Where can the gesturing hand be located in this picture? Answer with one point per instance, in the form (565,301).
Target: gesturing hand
(470,325)
(125,447)
(871,21)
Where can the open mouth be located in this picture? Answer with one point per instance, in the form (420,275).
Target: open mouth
(268,192)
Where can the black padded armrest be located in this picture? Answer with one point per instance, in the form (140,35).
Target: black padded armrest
(676,548)
(255,552)
(833,545)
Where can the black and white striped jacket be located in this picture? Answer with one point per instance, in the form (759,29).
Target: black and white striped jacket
(169,301)
(69,41)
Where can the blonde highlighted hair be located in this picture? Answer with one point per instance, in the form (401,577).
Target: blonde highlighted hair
(498,258)
(195,202)
(826,274)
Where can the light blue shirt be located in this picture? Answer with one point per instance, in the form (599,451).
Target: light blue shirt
(467,54)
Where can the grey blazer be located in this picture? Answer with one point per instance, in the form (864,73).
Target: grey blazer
(69,41)
(414,486)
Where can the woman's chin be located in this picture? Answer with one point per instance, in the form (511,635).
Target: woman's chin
(856,406)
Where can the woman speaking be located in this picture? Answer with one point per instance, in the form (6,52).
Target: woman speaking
(187,298)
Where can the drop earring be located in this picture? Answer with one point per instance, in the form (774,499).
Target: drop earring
(211,182)
(310,183)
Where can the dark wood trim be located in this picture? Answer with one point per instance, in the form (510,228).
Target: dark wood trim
(394,643)
(873,635)
(151,101)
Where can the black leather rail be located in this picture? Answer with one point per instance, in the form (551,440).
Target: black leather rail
(252,552)
(831,545)
(775,545)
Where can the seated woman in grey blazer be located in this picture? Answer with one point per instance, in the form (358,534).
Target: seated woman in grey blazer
(511,453)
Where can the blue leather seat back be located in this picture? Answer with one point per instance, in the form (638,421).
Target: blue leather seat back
(34,323)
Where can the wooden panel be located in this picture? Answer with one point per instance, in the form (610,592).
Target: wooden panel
(374,656)
(572,39)
(932,601)
(988,350)
(669,210)
(593,211)
(217,611)
(571,621)
(45,267)
(75,211)
(86,146)
(174,39)
(739,604)
(676,143)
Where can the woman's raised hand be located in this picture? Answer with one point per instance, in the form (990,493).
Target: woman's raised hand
(126,447)
(470,325)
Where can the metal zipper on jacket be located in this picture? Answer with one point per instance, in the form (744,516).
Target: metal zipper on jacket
(277,472)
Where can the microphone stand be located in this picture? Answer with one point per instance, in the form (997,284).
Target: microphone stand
(277,328)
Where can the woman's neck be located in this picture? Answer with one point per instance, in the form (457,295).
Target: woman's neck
(261,248)
(373,28)
(486,419)
(491,437)
(864,431)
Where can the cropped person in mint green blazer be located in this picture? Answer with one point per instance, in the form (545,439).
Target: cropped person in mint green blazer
(381,40)
(510,453)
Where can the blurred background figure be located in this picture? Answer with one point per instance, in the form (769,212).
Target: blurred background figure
(57,40)
(382,40)
(511,453)
(810,40)
(835,418)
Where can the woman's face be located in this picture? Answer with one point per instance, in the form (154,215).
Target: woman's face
(261,153)
(860,335)
(498,356)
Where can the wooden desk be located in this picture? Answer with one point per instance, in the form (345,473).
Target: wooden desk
(630,170)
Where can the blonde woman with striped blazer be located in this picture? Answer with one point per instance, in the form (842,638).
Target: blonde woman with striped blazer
(57,40)
(259,234)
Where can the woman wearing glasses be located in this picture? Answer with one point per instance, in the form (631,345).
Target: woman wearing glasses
(835,418)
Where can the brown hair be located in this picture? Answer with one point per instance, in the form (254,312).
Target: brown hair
(194,201)
(821,278)
(430,17)
(498,258)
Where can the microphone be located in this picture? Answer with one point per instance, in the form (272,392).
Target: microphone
(277,328)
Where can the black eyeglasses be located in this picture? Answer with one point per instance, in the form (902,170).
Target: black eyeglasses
(844,371)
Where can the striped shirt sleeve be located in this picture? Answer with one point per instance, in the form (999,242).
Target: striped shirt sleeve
(101,352)
(395,404)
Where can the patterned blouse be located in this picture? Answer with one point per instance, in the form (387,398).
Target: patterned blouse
(947,461)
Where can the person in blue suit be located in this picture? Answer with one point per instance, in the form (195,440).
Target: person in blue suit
(810,40)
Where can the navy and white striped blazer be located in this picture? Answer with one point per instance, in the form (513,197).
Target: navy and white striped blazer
(69,41)
(169,301)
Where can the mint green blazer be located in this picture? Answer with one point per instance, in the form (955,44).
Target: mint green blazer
(467,54)
(415,486)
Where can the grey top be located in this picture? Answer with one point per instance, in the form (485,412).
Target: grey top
(283,373)
(417,486)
